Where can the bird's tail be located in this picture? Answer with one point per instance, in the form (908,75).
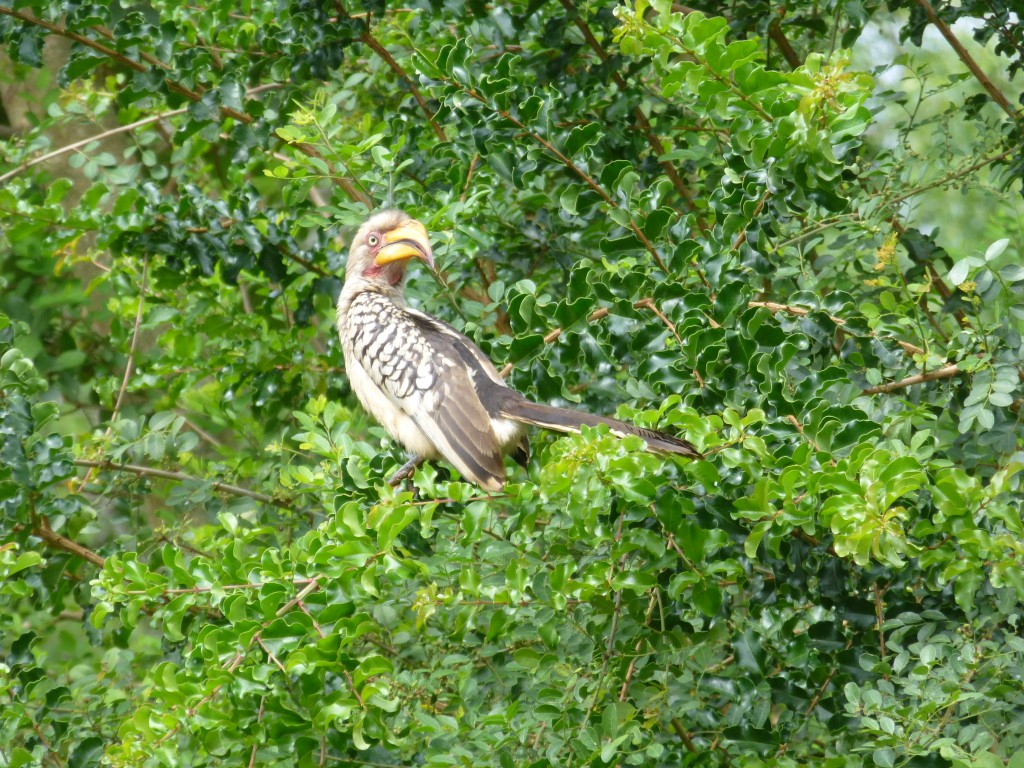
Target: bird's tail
(565,420)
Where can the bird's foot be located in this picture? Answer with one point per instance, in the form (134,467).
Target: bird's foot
(406,471)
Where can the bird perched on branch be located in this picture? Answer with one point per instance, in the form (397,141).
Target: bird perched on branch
(427,384)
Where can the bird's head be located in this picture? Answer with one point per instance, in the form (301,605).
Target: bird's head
(382,247)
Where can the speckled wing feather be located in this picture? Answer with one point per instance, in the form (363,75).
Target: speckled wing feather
(406,356)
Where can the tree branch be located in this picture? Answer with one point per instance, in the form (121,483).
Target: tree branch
(53,539)
(803,312)
(172,85)
(568,163)
(181,477)
(98,137)
(966,58)
(597,314)
(778,37)
(945,372)
(641,117)
(383,52)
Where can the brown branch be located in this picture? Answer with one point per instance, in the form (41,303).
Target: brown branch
(955,175)
(774,307)
(821,691)
(597,314)
(237,659)
(880,617)
(181,477)
(129,366)
(800,428)
(683,735)
(757,212)
(641,117)
(53,539)
(79,144)
(966,58)
(270,655)
(259,719)
(778,37)
(648,303)
(469,176)
(309,265)
(631,669)
(381,51)
(201,590)
(347,185)
(568,163)
(172,85)
(82,39)
(945,372)
(644,303)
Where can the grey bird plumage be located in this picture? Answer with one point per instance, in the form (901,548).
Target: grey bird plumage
(427,384)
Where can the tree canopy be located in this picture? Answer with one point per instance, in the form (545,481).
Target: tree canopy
(790,234)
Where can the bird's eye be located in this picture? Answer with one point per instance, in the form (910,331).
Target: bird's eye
(372,241)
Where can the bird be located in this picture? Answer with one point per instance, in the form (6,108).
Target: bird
(431,387)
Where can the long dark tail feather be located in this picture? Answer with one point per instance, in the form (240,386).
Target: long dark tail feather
(565,420)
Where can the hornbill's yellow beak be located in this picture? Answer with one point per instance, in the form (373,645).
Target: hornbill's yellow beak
(407,240)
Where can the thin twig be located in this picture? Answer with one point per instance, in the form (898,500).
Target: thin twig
(129,366)
(469,176)
(955,175)
(237,659)
(110,53)
(757,212)
(270,655)
(98,137)
(597,314)
(804,311)
(648,303)
(259,719)
(43,530)
(567,162)
(945,372)
(800,428)
(164,474)
(997,96)
(641,117)
(383,52)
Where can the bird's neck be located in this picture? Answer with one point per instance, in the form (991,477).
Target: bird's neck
(358,285)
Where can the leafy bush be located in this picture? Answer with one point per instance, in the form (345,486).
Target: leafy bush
(705,224)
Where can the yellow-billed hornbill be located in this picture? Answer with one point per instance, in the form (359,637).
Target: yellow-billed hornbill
(427,384)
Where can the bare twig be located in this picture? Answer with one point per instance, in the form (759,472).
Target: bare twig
(804,311)
(945,372)
(381,51)
(164,474)
(800,428)
(110,53)
(997,96)
(641,117)
(236,660)
(567,162)
(53,539)
(79,144)
(129,366)
(648,303)
(597,314)
(778,37)
(742,238)
(259,719)
(955,175)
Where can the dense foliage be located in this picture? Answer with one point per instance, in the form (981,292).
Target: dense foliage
(712,224)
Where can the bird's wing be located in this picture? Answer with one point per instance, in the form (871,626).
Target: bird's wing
(412,359)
